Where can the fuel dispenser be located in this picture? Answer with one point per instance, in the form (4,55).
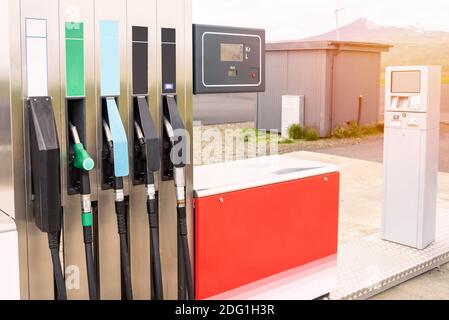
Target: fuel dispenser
(43,147)
(115,143)
(45,171)
(174,159)
(79,162)
(146,151)
(412,114)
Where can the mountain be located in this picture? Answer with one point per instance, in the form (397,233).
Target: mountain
(412,46)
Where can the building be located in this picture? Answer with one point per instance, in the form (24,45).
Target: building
(336,78)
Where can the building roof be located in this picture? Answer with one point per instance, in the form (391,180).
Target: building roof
(327,45)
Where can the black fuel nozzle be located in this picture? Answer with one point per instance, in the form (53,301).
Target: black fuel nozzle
(175,131)
(178,171)
(46,179)
(140,140)
(147,139)
(45,165)
(175,142)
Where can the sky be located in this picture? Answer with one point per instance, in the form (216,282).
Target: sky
(296,19)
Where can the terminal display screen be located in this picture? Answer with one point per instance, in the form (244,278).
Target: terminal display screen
(228,59)
(231,52)
(406,82)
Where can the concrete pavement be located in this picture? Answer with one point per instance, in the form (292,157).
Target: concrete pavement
(360,215)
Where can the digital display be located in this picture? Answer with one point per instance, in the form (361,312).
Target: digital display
(406,82)
(230,52)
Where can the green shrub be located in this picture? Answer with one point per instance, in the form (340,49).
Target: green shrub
(310,134)
(352,130)
(340,133)
(286,141)
(295,132)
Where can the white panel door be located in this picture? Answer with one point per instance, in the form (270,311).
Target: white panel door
(402,177)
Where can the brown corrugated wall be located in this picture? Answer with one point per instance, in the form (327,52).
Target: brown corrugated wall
(331,81)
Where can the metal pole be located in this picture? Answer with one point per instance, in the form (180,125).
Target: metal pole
(336,22)
(359,115)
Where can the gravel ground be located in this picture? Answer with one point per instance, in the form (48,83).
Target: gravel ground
(209,152)
(368,148)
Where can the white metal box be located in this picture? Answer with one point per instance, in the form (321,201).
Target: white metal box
(412,109)
(292,112)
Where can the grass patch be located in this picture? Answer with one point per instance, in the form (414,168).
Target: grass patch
(297,132)
(353,130)
(286,141)
(261,135)
(310,134)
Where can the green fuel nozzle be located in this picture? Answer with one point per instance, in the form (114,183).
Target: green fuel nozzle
(83,160)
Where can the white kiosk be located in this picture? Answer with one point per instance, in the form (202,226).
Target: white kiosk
(412,117)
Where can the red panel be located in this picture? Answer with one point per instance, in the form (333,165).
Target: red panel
(260,232)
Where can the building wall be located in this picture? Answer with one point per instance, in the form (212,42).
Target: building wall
(307,76)
(293,73)
(269,102)
(355,74)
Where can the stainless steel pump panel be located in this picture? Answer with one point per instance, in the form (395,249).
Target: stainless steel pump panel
(228,59)
(412,113)
(85,62)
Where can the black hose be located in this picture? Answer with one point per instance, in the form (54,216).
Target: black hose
(188,267)
(156,270)
(181,271)
(53,244)
(184,254)
(88,242)
(153,281)
(125,261)
(125,266)
(91,271)
(156,266)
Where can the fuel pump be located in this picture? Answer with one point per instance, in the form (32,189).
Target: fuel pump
(175,144)
(115,162)
(45,176)
(174,158)
(147,153)
(146,150)
(116,144)
(43,147)
(84,163)
(79,163)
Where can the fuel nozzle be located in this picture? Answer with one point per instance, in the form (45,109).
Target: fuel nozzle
(110,145)
(178,172)
(83,160)
(139,133)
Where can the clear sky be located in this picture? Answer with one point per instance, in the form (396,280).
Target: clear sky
(295,19)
